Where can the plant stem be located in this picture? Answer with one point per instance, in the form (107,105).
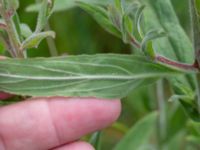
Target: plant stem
(167,61)
(51,43)
(164,60)
(11,30)
(134,42)
(162,118)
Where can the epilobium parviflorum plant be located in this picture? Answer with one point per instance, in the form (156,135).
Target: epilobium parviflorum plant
(164,64)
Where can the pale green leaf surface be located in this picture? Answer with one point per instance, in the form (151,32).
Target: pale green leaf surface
(26,30)
(62,5)
(159,14)
(139,134)
(35,39)
(103,76)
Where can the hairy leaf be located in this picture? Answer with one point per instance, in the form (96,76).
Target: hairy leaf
(150,36)
(159,14)
(101,16)
(139,134)
(104,76)
(196,28)
(44,14)
(62,5)
(35,39)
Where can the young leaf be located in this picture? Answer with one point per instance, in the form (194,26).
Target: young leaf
(118,5)
(139,134)
(138,18)
(151,35)
(104,76)
(115,16)
(101,16)
(13,4)
(35,39)
(26,30)
(127,29)
(187,98)
(44,14)
(159,14)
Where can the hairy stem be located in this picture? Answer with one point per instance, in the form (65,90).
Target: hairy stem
(11,30)
(51,43)
(134,42)
(184,66)
(162,118)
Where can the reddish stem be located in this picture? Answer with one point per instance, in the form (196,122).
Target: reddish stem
(184,66)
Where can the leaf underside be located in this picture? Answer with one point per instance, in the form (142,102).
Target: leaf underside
(103,76)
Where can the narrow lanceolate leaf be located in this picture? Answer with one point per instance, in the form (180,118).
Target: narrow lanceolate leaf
(101,16)
(195,20)
(138,18)
(35,39)
(138,136)
(104,76)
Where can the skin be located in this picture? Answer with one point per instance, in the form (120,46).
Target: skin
(54,123)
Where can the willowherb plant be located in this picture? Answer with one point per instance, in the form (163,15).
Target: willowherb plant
(161,50)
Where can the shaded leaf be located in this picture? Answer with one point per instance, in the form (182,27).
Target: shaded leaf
(95,140)
(138,18)
(101,16)
(104,76)
(139,134)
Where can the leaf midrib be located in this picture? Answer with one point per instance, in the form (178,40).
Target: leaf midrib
(90,77)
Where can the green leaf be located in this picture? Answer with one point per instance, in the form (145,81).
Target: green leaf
(62,5)
(101,16)
(13,4)
(35,39)
(195,28)
(118,5)
(138,18)
(115,16)
(150,36)
(139,134)
(187,98)
(159,14)
(127,28)
(104,76)
(25,30)
(95,140)
(44,14)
